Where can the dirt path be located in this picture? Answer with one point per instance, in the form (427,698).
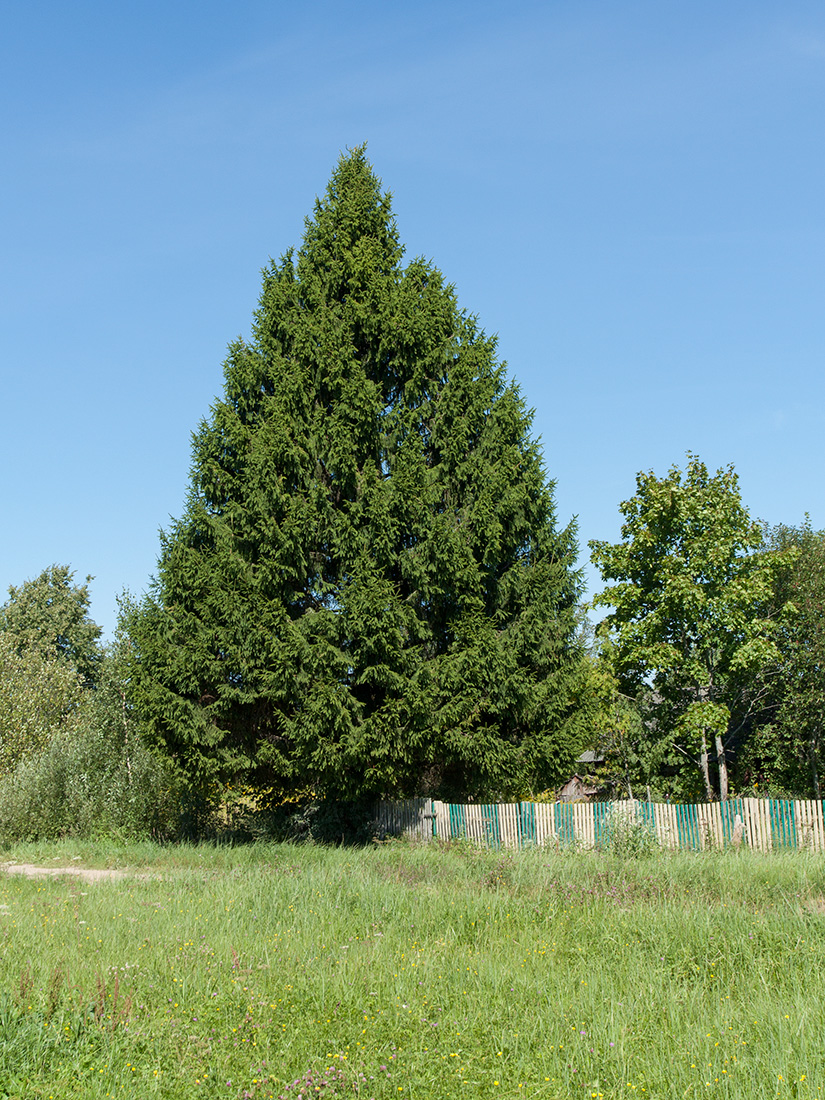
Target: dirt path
(86,874)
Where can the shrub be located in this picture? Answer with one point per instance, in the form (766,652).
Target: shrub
(628,835)
(312,820)
(86,783)
(39,696)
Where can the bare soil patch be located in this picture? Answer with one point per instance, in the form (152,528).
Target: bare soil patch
(85,874)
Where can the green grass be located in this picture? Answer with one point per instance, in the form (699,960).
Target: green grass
(412,972)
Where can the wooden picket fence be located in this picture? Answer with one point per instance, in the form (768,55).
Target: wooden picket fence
(763,824)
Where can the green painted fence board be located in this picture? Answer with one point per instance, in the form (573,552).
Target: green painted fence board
(601,821)
(765,823)
(564,824)
(489,815)
(783,823)
(458,821)
(527,823)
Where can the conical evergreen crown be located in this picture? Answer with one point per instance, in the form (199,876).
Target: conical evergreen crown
(367,592)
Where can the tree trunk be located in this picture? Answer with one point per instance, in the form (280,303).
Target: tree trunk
(126,736)
(705,767)
(815,770)
(723,769)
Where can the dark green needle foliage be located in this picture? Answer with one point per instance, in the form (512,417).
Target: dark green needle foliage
(367,592)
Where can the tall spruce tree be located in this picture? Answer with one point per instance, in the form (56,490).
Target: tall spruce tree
(367,592)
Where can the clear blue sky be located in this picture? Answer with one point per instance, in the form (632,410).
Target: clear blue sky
(632,195)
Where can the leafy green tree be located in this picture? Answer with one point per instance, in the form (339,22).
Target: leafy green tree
(786,750)
(628,758)
(802,712)
(367,591)
(39,695)
(84,769)
(50,615)
(695,620)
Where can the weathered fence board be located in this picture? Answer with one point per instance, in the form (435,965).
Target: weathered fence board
(763,824)
(412,817)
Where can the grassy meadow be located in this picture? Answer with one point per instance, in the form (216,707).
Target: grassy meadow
(408,971)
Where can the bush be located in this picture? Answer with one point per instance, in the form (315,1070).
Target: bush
(312,820)
(627,834)
(86,783)
(40,695)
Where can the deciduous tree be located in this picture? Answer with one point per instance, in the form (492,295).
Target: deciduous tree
(695,619)
(50,614)
(787,750)
(39,695)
